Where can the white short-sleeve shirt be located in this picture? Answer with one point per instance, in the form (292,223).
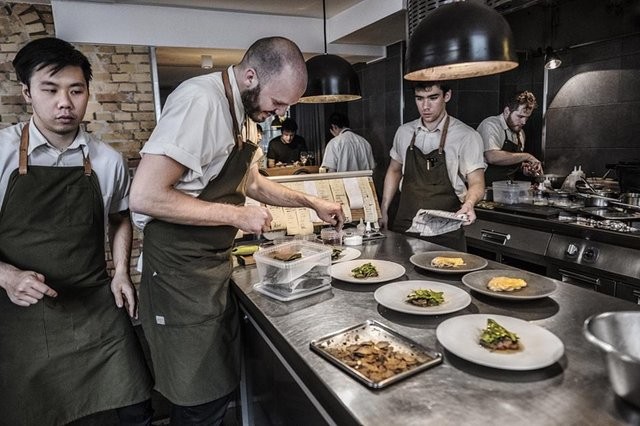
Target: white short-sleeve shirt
(348,152)
(463,149)
(195,130)
(107,163)
(494,129)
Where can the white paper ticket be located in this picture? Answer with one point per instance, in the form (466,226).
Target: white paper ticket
(293,227)
(369,201)
(340,196)
(278,217)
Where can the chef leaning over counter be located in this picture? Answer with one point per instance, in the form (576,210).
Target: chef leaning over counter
(190,186)
(67,348)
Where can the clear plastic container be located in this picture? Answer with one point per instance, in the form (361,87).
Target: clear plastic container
(308,272)
(507,192)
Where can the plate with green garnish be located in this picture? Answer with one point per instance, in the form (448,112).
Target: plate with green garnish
(366,271)
(421,297)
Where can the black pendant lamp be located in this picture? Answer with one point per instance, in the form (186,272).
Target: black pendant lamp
(551,59)
(330,77)
(460,40)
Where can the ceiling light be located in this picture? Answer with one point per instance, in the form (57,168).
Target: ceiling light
(330,77)
(206,62)
(551,59)
(460,40)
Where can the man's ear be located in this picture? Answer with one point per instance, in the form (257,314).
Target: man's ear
(447,96)
(26,94)
(506,111)
(250,78)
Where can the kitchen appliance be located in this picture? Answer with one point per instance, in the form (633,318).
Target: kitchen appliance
(595,265)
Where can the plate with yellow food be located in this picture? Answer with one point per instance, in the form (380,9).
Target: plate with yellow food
(448,262)
(366,271)
(510,284)
(422,297)
(500,341)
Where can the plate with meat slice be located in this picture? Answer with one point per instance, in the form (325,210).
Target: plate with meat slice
(448,262)
(421,297)
(500,341)
(510,284)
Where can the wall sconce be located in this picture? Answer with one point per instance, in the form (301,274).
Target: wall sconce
(551,59)
(206,62)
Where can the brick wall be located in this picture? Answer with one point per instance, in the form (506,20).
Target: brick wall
(120,110)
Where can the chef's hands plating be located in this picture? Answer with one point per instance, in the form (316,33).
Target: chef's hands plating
(24,288)
(329,211)
(532,167)
(253,219)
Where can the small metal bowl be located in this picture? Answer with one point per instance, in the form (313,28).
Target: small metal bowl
(616,333)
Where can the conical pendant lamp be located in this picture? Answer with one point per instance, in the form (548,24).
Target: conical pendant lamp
(330,77)
(460,40)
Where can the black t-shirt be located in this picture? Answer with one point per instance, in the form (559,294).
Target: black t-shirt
(286,153)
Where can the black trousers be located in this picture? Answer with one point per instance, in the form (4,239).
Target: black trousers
(208,414)
(136,415)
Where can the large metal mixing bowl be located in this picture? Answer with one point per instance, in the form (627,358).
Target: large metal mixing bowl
(616,333)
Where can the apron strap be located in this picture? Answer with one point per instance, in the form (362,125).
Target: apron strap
(229,94)
(24,147)
(443,136)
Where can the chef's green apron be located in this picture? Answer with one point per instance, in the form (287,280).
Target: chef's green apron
(189,315)
(426,185)
(76,354)
(495,173)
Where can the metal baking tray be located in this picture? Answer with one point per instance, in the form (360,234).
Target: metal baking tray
(372,330)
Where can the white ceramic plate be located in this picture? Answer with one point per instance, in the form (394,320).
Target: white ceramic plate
(471,261)
(537,285)
(387,271)
(348,253)
(540,347)
(394,295)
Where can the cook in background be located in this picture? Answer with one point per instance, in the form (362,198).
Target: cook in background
(67,346)
(287,147)
(347,151)
(188,194)
(436,162)
(504,138)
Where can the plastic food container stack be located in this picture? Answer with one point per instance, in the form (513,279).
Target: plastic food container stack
(508,192)
(288,280)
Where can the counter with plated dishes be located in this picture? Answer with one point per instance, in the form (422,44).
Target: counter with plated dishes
(556,377)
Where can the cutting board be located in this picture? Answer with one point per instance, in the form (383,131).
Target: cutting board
(543,212)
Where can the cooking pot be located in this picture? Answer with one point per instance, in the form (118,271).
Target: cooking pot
(555,180)
(616,333)
(631,198)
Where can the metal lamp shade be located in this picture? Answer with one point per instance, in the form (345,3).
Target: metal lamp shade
(460,40)
(551,59)
(330,79)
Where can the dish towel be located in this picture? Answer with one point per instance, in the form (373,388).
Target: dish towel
(429,223)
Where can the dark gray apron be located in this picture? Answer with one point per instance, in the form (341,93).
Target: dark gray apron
(65,357)
(189,315)
(495,173)
(426,185)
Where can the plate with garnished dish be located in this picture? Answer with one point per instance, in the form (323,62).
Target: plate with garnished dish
(500,341)
(510,284)
(366,271)
(448,262)
(421,297)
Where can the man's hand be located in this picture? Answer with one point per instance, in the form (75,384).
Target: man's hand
(383,220)
(27,288)
(253,219)
(467,208)
(532,167)
(124,293)
(329,212)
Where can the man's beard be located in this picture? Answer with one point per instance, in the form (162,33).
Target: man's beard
(251,105)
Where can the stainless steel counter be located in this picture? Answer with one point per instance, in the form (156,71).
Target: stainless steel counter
(574,391)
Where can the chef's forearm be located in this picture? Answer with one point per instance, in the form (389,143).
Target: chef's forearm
(475,189)
(391,184)
(269,192)
(503,158)
(120,237)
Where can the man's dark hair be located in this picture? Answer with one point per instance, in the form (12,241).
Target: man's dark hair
(339,120)
(49,52)
(290,125)
(424,85)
